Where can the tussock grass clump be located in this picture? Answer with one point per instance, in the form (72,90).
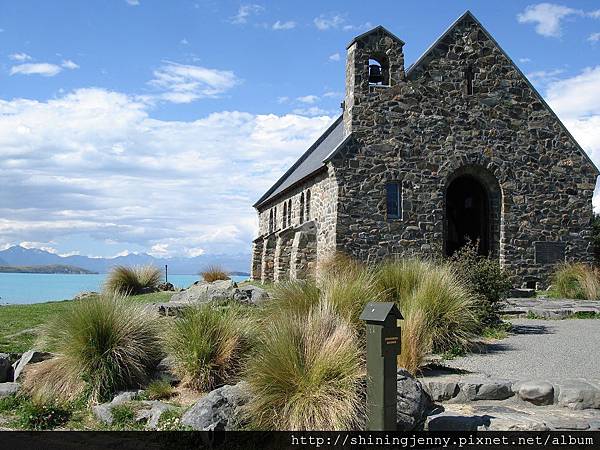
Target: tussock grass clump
(207,343)
(306,374)
(292,297)
(159,389)
(133,280)
(214,273)
(438,309)
(104,344)
(577,280)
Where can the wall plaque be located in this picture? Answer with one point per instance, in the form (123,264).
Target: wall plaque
(549,252)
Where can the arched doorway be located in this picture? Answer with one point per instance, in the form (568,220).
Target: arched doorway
(468,215)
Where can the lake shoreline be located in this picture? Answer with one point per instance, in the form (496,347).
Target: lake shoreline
(35,288)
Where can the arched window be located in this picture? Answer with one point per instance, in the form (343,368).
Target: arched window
(302,208)
(289,212)
(271,221)
(284,213)
(308,204)
(379,70)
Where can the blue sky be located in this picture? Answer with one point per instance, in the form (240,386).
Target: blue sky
(154,125)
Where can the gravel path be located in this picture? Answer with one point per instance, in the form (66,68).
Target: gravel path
(541,349)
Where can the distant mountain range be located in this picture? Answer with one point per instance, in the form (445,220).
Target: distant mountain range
(52,268)
(20,256)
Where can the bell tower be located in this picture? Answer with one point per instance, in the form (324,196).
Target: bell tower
(374,60)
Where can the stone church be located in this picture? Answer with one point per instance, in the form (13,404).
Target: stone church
(457,147)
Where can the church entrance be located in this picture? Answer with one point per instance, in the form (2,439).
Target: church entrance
(467,215)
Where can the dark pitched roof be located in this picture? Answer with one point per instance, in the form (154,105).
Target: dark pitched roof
(468,15)
(309,163)
(378,28)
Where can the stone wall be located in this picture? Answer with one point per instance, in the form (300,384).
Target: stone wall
(423,129)
(323,195)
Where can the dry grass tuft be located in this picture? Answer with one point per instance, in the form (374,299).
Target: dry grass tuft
(214,273)
(306,374)
(133,280)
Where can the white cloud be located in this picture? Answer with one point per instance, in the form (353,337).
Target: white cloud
(544,77)
(326,22)
(312,111)
(133,2)
(244,13)
(183,83)
(578,96)
(68,64)
(594,14)
(44,69)
(594,37)
(20,57)
(547,17)
(333,94)
(308,99)
(524,60)
(335,57)
(95,163)
(283,99)
(576,100)
(290,24)
(184,41)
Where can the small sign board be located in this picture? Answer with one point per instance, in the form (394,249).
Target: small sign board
(547,252)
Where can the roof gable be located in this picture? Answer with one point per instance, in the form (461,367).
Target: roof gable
(377,29)
(429,54)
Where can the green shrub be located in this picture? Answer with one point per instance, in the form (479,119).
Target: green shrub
(133,280)
(577,281)
(306,374)
(104,344)
(438,310)
(486,279)
(159,389)
(123,416)
(207,343)
(214,273)
(42,416)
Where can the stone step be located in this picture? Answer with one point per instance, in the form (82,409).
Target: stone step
(575,394)
(506,415)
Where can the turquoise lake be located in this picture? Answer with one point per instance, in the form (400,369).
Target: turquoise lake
(23,288)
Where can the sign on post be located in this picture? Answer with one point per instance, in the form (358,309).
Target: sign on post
(383,347)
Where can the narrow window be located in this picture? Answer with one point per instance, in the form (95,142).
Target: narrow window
(469,80)
(271,221)
(275,219)
(302,208)
(394,200)
(284,213)
(308,204)
(289,211)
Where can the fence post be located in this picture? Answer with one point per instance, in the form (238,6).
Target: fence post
(383,347)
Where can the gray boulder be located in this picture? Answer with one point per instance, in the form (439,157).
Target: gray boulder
(29,357)
(6,370)
(536,392)
(253,294)
(86,294)
(103,411)
(164,371)
(7,389)
(151,411)
(219,410)
(203,292)
(577,394)
(413,403)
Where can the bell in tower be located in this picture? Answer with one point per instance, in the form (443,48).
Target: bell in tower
(375,72)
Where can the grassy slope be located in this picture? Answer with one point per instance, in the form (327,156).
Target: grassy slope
(19,323)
